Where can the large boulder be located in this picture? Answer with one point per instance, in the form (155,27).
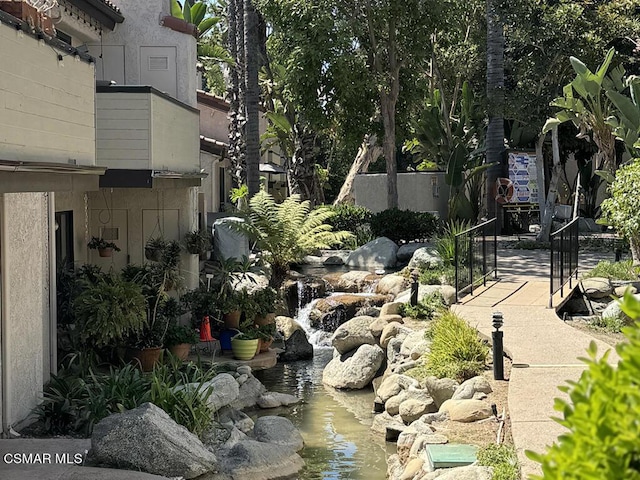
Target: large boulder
(471,387)
(466,410)
(406,251)
(224,390)
(392,285)
(378,253)
(255,460)
(354,281)
(440,389)
(613,311)
(377,326)
(147,439)
(278,431)
(391,308)
(447,291)
(355,369)
(413,339)
(393,330)
(331,312)
(596,287)
(425,257)
(249,393)
(296,347)
(413,408)
(393,384)
(352,334)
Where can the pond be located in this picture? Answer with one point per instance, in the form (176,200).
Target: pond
(335,425)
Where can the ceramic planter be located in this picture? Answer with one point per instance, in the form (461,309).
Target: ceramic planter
(181,350)
(232,320)
(244,349)
(105,252)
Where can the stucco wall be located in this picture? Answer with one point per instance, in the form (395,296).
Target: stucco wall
(47,110)
(141,27)
(416,192)
(129,206)
(214,123)
(26,273)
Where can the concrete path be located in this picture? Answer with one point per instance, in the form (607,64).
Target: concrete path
(543,348)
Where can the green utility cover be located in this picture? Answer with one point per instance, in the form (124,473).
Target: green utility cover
(451,455)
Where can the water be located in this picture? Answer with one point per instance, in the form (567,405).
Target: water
(335,425)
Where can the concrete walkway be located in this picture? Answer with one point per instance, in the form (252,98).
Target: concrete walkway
(543,348)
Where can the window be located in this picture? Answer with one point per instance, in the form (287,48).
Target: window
(158,63)
(66,38)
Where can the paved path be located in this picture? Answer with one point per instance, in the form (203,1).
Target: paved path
(543,348)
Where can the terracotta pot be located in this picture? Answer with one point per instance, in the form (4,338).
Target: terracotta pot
(21,10)
(181,350)
(232,320)
(146,358)
(268,319)
(244,349)
(265,345)
(105,252)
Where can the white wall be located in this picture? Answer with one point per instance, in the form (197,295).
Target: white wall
(416,192)
(47,111)
(25,271)
(141,28)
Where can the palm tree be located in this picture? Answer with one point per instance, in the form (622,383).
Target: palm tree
(252,61)
(495,103)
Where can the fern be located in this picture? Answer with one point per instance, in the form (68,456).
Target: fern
(286,232)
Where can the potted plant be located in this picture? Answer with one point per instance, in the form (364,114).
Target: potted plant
(105,249)
(245,345)
(179,339)
(266,334)
(265,301)
(154,249)
(198,242)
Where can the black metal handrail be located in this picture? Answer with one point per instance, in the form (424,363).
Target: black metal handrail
(475,256)
(564,258)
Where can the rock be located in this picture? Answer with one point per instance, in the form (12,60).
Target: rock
(393,385)
(440,389)
(230,417)
(596,287)
(406,251)
(404,366)
(244,370)
(251,459)
(216,438)
(395,467)
(393,350)
(275,399)
(352,282)
(377,326)
(350,335)
(224,390)
(466,410)
(408,437)
(368,312)
(412,409)
(296,347)
(467,389)
(392,405)
(613,310)
(620,291)
(378,253)
(242,379)
(412,468)
(354,370)
(391,285)
(447,291)
(147,439)
(391,308)
(278,431)
(331,312)
(249,393)
(470,472)
(425,257)
(414,338)
(420,349)
(287,325)
(384,421)
(393,330)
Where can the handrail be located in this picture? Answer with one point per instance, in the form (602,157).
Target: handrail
(564,258)
(475,252)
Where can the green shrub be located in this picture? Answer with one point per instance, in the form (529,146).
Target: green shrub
(445,275)
(404,225)
(601,415)
(354,219)
(608,324)
(425,309)
(456,350)
(614,270)
(503,459)
(446,242)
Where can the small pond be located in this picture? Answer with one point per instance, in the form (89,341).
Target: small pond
(339,443)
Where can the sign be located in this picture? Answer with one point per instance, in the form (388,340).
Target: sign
(523,174)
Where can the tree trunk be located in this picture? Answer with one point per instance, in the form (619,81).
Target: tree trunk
(546,217)
(236,115)
(495,105)
(368,152)
(634,243)
(301,173)
(252,132)
(388,104)
(540,174)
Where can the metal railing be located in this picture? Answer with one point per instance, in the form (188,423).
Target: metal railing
(475,256)
(564,258)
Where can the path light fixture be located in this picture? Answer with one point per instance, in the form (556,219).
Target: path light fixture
(498,351)
(414,287)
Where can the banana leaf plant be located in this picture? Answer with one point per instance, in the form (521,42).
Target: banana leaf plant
(586,103)
(625,120)
(195,13)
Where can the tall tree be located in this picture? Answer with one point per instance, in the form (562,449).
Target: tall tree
(235,94)
(252,98)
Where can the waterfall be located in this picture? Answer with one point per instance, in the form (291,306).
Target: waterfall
(317,338)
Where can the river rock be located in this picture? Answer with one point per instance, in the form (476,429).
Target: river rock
(613,310)
(331,312)
(378,253)
(413,339)
(230,417)
(377,326)
(393,330)
(249,392)
(469,388)
(278,431)
(470,472)
(412,468)
(296,347)
(355,369)
(368,311)
(466,410)
(352,334)
(391,285)
(251,459)
(393,350)
(425,257)
(224,390)
(447,291)
(622,289)
(392,405)
(275,400)
(406,251)
(147,439)
(440,389)
(596,287)
(391,308)
(351,282)
(383,421)
(393,385)
(412,409)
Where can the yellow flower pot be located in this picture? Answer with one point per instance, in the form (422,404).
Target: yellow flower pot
(244,349)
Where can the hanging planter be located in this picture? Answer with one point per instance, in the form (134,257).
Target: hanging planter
(105,249)
(105,252)
(198,242)
(154,249)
